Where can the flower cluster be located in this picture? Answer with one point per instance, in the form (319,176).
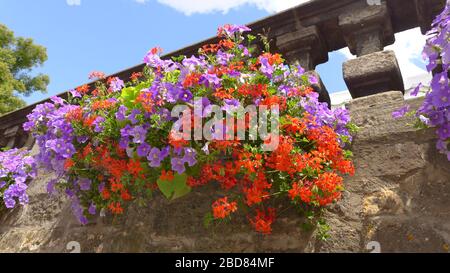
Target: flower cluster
(16,168)
(121,142)
(435,110)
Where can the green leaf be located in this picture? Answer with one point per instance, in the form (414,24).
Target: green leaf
(272,90)
(173,76)
(208,219)
(348,154)
(129,96)
(176,188)
(178,58)
(352,127)
(251,37)
(323,230)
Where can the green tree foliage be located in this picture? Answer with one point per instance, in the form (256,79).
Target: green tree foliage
(18,56)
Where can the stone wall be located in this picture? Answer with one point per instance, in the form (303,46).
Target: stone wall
(398,197)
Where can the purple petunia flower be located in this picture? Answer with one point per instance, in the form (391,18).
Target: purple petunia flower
(313,79)
(153,90)
(165,152)
(230,30)
(78,210)
(300,70)
(124,143)
(98,127)
(143,150)
(84,184)
(75,93)
(266,67)
(68,151)
(436,117)
(139,133)
(116,84)
(164,114)
(154,158)
(92,209)
(173,92)
(185,95)
(82,139)
(401,112)
(126,131)
(230,105)
(121,112)
(224,57)
(51,186)
(193,62)
(190,156)
(23,199)
(153,60)
(415,92)
(210,80)
(441,98)
(178,151)
(444,131)
(9,202)
(132,116)
(57,100)
(101,187)
(178,165)
(244,50)
(16,190)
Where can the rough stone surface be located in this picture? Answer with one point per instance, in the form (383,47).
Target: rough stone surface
(398,197)
(367,29)
(305,46)
(426,11)
(374,73)
(404,184)
(15,136)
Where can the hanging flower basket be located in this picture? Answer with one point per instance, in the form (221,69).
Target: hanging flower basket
(247,122)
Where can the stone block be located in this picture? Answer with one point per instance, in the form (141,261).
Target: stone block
(367,29)
(305,46)
(426,11)
(374,73)
(12,131)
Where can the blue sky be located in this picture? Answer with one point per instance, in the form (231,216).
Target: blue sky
(112,35)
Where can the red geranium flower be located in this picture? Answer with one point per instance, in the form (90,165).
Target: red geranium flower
(222,208)
(263,220)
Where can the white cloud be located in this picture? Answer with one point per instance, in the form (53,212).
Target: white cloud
(73,2)
(141,1)
(408,48)
(190,7)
